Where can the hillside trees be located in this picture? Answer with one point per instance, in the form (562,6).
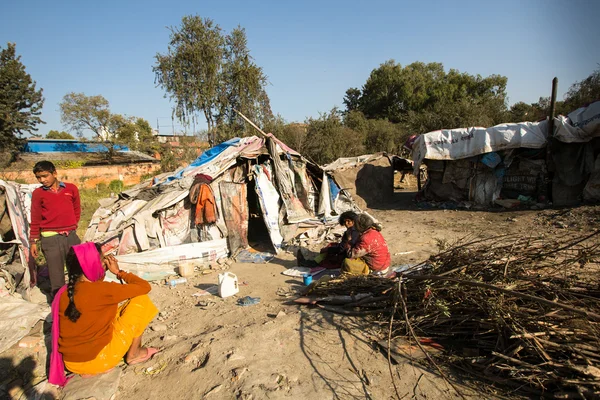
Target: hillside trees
(206,71)
(327,138)
(423,97)
(20,102)
(584,92)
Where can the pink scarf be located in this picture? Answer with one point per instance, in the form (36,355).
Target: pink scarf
(90,262)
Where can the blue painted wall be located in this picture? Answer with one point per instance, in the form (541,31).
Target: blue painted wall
(64,145)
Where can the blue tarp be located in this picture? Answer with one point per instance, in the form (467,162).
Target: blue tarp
(205,157)
(334,189)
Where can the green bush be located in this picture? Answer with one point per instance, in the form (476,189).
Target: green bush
(116,186)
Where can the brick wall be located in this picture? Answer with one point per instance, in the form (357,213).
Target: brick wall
(89,177)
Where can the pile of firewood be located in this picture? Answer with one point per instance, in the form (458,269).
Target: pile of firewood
(522,315)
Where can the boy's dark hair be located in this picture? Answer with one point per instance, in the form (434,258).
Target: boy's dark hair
(75,271)
(347,215)
(42,166)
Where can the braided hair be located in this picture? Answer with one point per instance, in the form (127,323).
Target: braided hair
(75,272)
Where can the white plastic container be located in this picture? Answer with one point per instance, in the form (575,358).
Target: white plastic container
(228,284)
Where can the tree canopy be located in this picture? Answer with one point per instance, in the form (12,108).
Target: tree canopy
(82,113)
(424,97)
(54,134)
(210,72)
(20,102)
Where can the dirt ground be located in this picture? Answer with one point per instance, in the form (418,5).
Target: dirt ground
(213,348)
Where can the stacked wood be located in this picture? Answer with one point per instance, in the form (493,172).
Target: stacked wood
(522,315)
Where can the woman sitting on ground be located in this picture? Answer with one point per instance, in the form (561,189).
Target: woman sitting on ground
(91,332)
(370,255)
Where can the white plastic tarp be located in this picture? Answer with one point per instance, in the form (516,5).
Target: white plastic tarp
(580,126)
(269,203)
(455,144)
(157,264)
(18,201)
(17,317)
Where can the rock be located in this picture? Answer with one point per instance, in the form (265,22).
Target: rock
(29,342)
(214,390)
(234,356)
(100,387)
(280,314)
(159,327)
(169,338)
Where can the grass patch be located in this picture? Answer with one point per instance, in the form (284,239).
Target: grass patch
(89,205)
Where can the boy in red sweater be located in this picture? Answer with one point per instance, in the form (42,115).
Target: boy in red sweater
(55,212)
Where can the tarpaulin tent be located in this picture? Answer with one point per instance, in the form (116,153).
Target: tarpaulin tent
(482,165)
(369,178)
(263,193)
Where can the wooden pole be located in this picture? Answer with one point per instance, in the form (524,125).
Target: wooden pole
(552,107)
(250,122)
(549,162)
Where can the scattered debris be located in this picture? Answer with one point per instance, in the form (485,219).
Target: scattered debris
(159,327)
(248,301)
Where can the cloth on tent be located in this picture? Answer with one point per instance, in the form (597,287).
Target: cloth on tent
(5,224)
(283,179)
(195,189)
(206,211)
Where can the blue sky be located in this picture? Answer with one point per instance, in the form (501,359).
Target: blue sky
(312,51)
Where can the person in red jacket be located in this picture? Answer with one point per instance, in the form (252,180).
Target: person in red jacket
(55,213)
(370,255)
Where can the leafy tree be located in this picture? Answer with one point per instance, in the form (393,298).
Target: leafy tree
(379,134)
(424,96)
(293,134)
(584,92)
(209,72)
(136,133)
(352,99)
(20,103)
(328,139)
(82,113)
(54,134)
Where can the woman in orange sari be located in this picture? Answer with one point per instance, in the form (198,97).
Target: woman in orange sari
(94,331)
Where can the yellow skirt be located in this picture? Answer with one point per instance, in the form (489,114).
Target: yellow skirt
(355,266)
(130,322)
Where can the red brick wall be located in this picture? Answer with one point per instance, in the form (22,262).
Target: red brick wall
(89,177)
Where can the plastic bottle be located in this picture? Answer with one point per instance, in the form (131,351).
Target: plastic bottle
(175,282)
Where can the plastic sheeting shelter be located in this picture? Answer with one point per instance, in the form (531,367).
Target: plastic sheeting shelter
(482,165)
(15,206)
(369,178)
(265,193)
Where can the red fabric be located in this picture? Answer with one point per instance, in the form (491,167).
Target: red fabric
(54,211)
(371,246)
(206,211)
